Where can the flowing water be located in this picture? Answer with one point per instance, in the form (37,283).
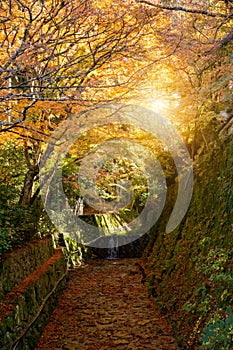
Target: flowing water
(113,249)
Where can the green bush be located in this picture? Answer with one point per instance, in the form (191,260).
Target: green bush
(219,334)
(5,242)
(17,225)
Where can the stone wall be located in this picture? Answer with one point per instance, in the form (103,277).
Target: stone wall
(31,280)
(189,271)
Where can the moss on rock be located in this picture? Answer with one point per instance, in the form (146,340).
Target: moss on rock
(190,269)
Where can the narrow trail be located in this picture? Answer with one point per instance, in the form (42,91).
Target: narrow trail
(105,306)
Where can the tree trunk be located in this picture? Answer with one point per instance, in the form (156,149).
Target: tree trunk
(25,198)
(33,170)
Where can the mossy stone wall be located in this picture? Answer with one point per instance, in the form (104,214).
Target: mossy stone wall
(31,292)
(16,266)
(189,271)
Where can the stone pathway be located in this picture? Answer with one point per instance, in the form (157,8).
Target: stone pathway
(105,306)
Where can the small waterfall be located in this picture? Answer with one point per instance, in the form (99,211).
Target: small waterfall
(113,249)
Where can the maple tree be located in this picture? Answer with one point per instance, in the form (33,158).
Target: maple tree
(60,57)
(53,57)
(55,54)
(196,81)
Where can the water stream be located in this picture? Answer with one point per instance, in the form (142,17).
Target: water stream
(113,249)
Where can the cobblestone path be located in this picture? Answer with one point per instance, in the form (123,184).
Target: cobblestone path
(105,306)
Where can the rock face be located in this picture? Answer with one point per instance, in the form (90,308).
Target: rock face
(31,279)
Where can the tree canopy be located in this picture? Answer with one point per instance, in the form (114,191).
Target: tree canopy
(61,57)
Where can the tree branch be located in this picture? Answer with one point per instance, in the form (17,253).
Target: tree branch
(183,9)
(19,121)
